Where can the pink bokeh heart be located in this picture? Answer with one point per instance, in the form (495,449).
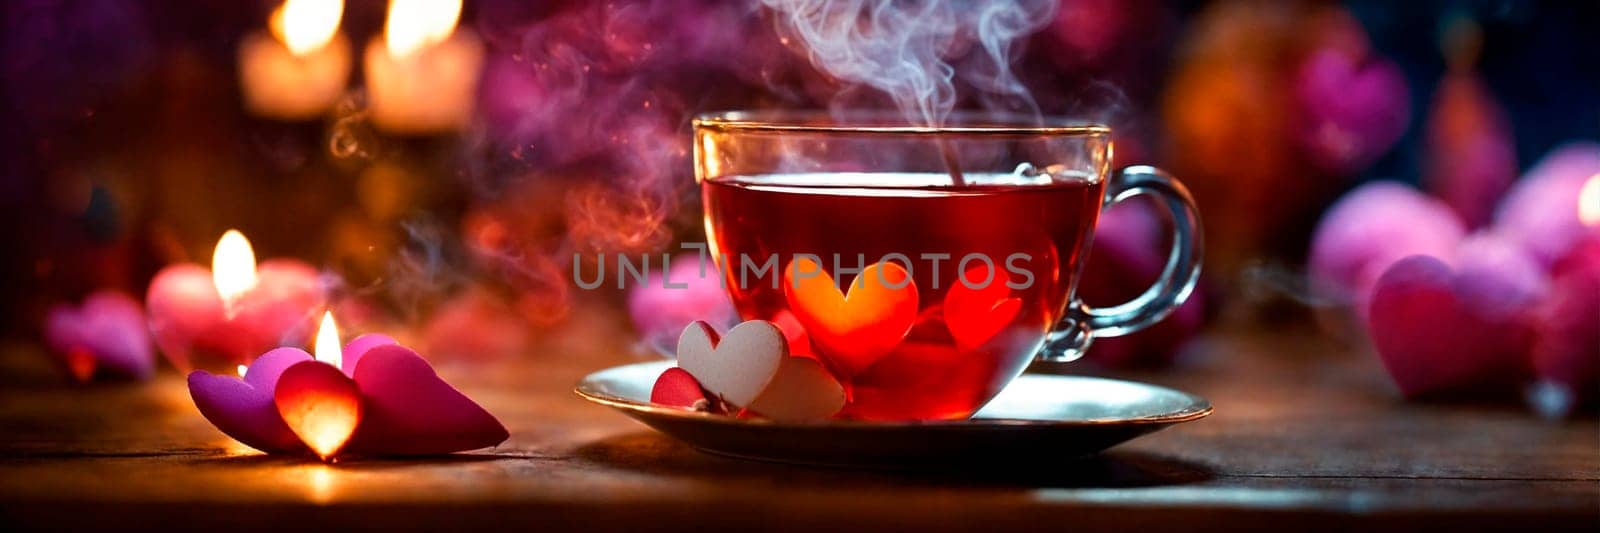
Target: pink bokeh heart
(1438,335)
(1369,229)
(1352,111)
(104,336)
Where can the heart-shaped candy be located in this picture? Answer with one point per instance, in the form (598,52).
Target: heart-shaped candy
(244,408)
(409,410)
(106,335)
(320,405)
(677,388)
(737,366)
(975,315)
(852,330)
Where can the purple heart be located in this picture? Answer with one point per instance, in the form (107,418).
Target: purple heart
(109,329)
(1352,112)
(243,408)
(410,411)
(1437,337)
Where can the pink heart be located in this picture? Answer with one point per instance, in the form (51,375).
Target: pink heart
(358,348)
(1369,229)
(107,334)
(1437,337)
(408,410)
(243,408)
(1352,111)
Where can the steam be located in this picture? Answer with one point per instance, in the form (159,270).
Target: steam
(905,48)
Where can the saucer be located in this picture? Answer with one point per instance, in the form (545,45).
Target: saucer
(1037,416)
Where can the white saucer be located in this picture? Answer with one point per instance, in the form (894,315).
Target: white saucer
(1038,416)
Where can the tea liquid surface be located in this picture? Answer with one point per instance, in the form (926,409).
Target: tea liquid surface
(960,341)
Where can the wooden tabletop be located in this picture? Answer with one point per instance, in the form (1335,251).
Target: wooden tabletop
(1306,434)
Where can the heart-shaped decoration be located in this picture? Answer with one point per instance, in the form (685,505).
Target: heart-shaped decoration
(677,388)
(1352,109)
(244,409)
(350,357)
(409,410)
(320,405)
(975,315)
(852,330)
(107,334)
(1433,342)
(801,390)
(737,366)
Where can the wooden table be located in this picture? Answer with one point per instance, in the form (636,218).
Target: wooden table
(1306,435)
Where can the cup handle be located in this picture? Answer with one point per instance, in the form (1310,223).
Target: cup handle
(1081,324)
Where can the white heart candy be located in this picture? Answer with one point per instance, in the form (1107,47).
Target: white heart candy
(739,365)
(801,390)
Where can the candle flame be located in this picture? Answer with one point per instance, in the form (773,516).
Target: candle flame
(233,267)
(306,25)
(416,24)
(327,347)
(242,370)
(1589,202)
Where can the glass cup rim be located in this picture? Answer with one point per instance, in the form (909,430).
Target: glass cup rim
(975,123)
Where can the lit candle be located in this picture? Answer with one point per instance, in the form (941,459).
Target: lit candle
(236,309)
(372,397)
(422,73)
(299,71)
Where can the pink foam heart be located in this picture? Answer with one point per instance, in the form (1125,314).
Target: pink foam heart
(409,410)
(1436,339)
(243,408)
(106,335)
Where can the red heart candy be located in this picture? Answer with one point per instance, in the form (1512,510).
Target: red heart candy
(975,315)
(320,405)
(677,388)
(410,411)
(852,330)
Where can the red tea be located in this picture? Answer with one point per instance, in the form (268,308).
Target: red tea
(905,335)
